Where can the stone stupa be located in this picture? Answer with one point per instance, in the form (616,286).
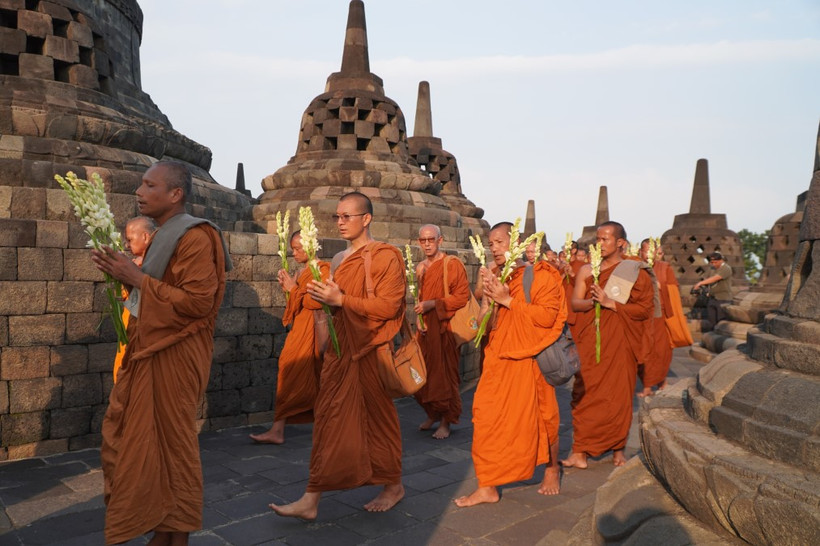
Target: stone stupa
(590,233)
(353,138)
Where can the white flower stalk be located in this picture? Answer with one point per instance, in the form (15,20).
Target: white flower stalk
(568,248)
(516,251)
(410,273)
(539,237)
(478,249)
(595,264)
(88,199)
(650,252)
(310,244)
(282,231)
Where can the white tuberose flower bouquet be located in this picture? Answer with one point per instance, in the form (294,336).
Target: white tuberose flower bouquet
(410,273)
(310,243)
(90,206)
(595,264)
(282,229)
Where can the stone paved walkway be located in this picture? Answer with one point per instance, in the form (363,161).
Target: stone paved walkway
(58,499)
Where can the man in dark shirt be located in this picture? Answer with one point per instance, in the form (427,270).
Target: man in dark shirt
(720,288)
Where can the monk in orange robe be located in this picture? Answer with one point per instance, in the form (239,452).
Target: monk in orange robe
(356,435)
(676,323)
(439,396)
(150,451)
(515,412)
(300,361)
(654,367)
(603,391)
(138,233)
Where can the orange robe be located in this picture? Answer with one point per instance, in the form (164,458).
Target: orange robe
(657,343)
(440,396)
(569,287)
(603,391)
(356,435)
(676,324)
(150,450)
(299,362)
(126,315)
(515,413)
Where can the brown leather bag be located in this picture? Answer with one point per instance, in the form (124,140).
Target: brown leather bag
(464,323)
(402,370)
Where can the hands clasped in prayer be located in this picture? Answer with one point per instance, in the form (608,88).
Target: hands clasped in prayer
(326,292)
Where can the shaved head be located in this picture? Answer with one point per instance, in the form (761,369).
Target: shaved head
(141,224)
(429,227)
(361,199)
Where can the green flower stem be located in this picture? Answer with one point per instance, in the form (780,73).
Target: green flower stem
(483,326)
(597,332)
(113,290)
(317,276)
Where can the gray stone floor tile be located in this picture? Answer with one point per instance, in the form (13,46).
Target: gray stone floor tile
(375,524)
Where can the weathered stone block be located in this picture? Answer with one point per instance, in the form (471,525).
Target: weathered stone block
(266,268)
(800,357)
(56,11)
(23,363)
(4,397)
(18,233)
(80,33)
(231,322)
(231,421)
(43,448)
(82,390)
(70,297)
(8,266)
(83,328)
(4,331)
(46,329)
(39,264)
(225,349)
(22,297)
(23,428)
(100,62)
(255,347)
(61,49)
(750,389)
(242,268)
(236,375)
(221,403)
(58,208)
(52,234)
(12,5)
(278,343)
(241,243)
(34,23)
(28,203)
(267,244)
(265,321)
(255,399)
(87,441)
(101,357)
(77,266)
(12,41)
(69,360)
(27,395)
(777,443)
(5,193)
(263,373)
(70,422)
(252,294)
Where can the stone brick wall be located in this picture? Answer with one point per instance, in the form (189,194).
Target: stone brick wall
(56,364)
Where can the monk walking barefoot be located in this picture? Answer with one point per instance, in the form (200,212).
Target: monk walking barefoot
(481,495)
(306,508)
(551,484)
(276,434)
(387,499)
(515,412)
(618,457)
(575,460)
(443,430)
(428,424)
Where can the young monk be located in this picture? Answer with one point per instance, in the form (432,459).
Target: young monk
(602,391)
(300,361)
(138,232)
(657,345)
(515,412)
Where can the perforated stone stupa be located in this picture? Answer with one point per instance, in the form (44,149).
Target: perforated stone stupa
(353,137)
(71,99)
(699,233)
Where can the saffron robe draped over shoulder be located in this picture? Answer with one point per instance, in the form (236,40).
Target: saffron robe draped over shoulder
(150,450)
(658,355)
(356,435)
(440,396)
(603,391)
(299,362)
(515,412)
(676,324)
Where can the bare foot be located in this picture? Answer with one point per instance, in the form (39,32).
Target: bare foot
(427,425)
(387,499)
(443,431)
(575,460)
(618,458)
(481,495)
(276,434)
(551,484)
(662,385)
(644,393)
(305,508)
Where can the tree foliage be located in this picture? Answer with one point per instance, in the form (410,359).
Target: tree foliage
(754,252)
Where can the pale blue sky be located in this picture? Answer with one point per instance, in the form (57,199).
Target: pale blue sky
(537,99)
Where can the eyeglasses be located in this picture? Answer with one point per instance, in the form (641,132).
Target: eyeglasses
(423,240)
(345,218)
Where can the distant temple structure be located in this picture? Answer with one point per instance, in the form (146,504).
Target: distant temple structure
(589,233)
(353,137)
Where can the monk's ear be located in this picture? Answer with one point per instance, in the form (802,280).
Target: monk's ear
(366,219)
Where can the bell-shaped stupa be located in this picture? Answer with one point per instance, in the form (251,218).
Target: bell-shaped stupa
(353,138)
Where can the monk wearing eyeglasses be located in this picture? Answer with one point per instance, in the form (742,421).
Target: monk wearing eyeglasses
(440,396)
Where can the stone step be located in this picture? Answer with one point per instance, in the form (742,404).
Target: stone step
(701,354)
(783,353)
(717,343)
(749,315)
(733,329)
(805,331)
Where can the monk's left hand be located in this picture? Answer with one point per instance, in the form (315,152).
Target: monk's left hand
(326,292)
(424,306)
(118,265)
(600,296)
